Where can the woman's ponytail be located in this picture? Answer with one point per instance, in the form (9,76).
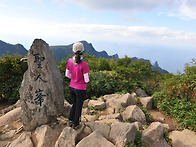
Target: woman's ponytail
(77,57)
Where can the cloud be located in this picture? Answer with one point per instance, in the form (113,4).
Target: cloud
(116,5)
(112,33)
(185,9)
(29,9)
(3,5)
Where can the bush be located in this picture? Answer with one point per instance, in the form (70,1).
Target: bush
(11,73)
(178,96)
(182,110)
(103,82)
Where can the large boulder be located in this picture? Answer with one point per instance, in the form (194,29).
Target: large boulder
(44,136)
(11,116)
(95,139)
(103,128)
(110,96)
(84,133)
(97,104)
(185,138)
(122,133)
(147,102)
(24,140)
(153,135)
(41,91)
(134,113)
(67,108)
(67,138)
(122,101)
(7,133)
(141,93)
(16,105)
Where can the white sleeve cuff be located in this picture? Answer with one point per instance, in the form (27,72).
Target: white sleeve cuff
(86,78)
(67,73)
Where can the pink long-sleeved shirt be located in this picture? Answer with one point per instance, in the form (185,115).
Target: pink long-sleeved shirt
(78,74)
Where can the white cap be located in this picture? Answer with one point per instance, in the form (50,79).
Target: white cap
(78,46)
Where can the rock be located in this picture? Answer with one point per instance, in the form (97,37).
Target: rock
(44,136)
(67,108)
(41,91)
(109,121)
(4,143)
(134,113)
(110,110)
(168,128)
(122,133)
(7,128)
(153,135)
(10,116)
(85,104)
(67,138)
(92,112)
(85,132)
(111,116)
(141,93)
(147,102)
(85,111)
(138,125)
(90,118)
(7,135)
(95,139)
(110,96)
(103,128)
(96,104)
(16,105)
(101,99)
(122,101)
(62,120)
(185,138)
(24,140)
(80,129)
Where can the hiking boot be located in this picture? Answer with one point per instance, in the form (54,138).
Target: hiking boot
(71,123)
(76,126)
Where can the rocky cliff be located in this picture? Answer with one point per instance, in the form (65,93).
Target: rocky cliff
(61,52)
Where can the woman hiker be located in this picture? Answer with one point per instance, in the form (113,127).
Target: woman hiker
(77,70)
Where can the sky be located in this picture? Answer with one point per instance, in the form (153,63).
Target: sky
(158,30)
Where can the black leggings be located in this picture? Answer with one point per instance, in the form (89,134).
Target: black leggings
(78,97)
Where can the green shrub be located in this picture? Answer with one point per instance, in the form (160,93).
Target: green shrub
(178,96)
(11,74)
(102,83)
(182,110)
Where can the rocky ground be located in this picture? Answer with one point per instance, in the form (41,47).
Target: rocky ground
(111,120)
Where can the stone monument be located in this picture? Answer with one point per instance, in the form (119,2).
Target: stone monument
(41,91)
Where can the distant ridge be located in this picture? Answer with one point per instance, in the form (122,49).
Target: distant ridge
(63,51)
(12,49)
(155,66)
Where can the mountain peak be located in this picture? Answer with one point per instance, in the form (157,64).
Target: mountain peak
(156,64)
(13,49)
(61,52)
